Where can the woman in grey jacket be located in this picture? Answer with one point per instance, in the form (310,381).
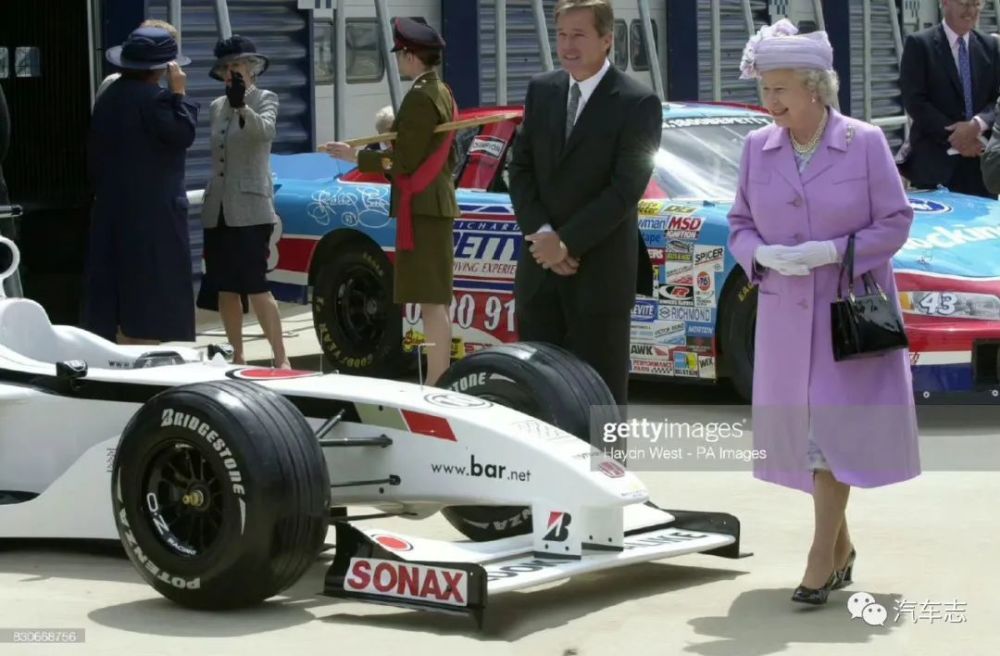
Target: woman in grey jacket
(238,213)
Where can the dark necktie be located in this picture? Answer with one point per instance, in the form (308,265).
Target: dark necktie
(574,105)
(965,72)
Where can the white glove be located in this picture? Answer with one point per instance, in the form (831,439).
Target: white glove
(813,254)
(776,257)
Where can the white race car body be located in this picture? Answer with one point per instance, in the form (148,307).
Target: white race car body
(416,449)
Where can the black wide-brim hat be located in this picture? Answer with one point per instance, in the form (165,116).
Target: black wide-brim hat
(146,49)
(415,34)
(234,48)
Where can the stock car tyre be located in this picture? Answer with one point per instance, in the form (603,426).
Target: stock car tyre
(220,493)
(737,331)
(359,327)
(541,380)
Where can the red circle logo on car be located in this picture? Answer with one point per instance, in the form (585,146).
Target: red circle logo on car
(393,543)
(270,374)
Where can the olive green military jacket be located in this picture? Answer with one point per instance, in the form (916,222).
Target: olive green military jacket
(425,106)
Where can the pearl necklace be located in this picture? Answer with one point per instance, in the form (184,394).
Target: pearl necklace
(814,142)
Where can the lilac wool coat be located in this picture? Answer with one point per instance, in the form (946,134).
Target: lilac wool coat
(860,412)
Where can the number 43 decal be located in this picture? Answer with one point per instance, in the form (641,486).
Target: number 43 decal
(938,304)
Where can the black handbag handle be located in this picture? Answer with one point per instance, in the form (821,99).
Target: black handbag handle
(847,262)
(867,278)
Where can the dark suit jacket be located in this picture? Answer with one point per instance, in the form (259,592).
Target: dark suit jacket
(932,96)
(587,189)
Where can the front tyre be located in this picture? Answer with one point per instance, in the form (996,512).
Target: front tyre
(220,494)
(541,380)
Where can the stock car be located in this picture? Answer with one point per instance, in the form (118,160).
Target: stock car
(221,481)
(336,251)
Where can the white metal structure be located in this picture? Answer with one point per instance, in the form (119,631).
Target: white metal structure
(364,80)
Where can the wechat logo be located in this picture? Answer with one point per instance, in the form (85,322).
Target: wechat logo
(862,606)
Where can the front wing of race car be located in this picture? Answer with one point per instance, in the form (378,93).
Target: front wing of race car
(384,567)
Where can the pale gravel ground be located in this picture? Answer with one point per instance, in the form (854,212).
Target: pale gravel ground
(934,539)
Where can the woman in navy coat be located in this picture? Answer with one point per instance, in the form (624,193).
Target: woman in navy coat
(139,286)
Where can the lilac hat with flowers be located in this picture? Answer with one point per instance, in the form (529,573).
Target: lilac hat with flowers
(781,46)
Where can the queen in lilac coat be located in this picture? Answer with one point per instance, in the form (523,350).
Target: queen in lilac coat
(824,425)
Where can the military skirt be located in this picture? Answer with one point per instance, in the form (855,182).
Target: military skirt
(424,274)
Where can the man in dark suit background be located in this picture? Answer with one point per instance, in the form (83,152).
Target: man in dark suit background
(580,165)
(949,78)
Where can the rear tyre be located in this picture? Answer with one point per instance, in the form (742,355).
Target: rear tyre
(357,324)
(737,331)
(220,494)
(541,380)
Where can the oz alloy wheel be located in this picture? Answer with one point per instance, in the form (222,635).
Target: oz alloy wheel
(183,499)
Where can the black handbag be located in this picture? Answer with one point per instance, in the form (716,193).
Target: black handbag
(867,325)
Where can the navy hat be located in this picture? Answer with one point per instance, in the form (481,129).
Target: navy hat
(234,48)
(146,49)
(415,34)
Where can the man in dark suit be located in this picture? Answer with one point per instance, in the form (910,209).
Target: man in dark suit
(949,78)
(579,168)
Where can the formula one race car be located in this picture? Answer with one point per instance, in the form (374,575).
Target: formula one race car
(221,481)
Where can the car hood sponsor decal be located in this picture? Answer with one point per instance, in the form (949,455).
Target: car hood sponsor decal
(952,234)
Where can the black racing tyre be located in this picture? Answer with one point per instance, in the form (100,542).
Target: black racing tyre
(359,327)
(541,380)
(737,330)
(220,494)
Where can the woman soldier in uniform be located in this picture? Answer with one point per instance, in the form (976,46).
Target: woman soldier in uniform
(423,201)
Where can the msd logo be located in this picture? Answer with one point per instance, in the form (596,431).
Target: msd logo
(684,223)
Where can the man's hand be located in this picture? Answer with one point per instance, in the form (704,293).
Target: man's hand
(176,78)
(965,138)
(547,248)
(567,267)
(340,150)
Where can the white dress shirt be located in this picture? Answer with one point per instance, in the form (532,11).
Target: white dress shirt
(587,88)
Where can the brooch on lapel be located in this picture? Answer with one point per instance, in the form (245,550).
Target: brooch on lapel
(850,134)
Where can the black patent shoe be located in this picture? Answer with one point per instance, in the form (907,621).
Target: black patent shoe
(845,575)
(815,596)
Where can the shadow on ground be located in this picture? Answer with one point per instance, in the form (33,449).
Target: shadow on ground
(764,622)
